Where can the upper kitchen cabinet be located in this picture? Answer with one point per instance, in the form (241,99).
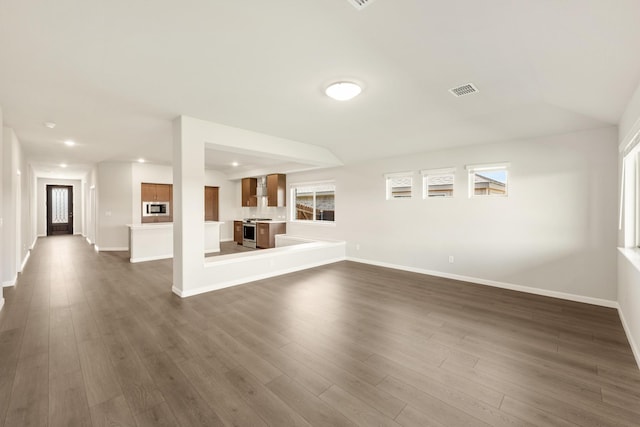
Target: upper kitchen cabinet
(161,193)
(156,192)
(277,190)
(211,203)
(249,195)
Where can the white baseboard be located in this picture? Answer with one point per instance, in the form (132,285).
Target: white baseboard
(226,240)
(42,235)
(150,258)
(632,342)
(24,261)
(89,241)
(227,284)
(33,245)
(112,249)
(496,284)
(1,302)
(10,283)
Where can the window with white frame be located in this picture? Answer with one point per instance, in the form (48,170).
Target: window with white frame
(630,193)
(313,202)
(489,180)
(399,185)
(438,182)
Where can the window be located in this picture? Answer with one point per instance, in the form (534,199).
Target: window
(438,182)
(629,220)
(399,185)
(488,180)
(314,202)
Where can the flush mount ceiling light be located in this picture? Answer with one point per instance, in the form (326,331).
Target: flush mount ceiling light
(63,165)
(343,91)
(69,143)
(49,125)
(234,164)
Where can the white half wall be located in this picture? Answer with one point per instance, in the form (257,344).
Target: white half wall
(554,232)
(189,138)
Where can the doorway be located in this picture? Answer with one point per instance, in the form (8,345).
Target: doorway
(59,209)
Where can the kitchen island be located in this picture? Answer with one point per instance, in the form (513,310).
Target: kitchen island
(148,242)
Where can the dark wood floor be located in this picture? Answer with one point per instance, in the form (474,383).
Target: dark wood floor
(89,339)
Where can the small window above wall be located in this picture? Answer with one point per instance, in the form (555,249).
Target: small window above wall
(489,180)
(399,185)
(438,182)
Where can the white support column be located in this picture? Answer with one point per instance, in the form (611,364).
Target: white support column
(188,207)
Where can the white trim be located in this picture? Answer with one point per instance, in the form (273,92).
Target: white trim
(150,258)
(24,261)
(229,239)
(398,174)
(441,171)
(113,249)
(96,248)
(33,245)
(248,279)
(1,302)
(635,349)
(42,235)
(487,166)
(627,143)
(10,283)
(89,241)
(502,285)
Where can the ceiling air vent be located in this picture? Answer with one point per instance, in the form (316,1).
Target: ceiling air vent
(463,90)
(360,4)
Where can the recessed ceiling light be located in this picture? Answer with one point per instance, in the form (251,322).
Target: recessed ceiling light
(141,160)
(234,164)
(49,125)
(343,91)
(63,165)
(69,143)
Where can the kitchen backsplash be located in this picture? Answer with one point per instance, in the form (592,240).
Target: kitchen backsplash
(265,212)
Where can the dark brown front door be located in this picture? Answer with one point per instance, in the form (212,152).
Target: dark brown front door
(59,209)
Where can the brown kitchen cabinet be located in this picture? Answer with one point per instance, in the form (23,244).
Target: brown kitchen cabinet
(249,194)
(237,232)
(277,190)
(267,233)
(157,193)
(211,203)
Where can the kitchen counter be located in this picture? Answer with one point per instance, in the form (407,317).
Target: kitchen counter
(273,221)
(148,242)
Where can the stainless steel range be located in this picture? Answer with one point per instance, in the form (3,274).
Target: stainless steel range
(249,235)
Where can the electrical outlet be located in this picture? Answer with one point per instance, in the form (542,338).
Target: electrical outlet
(450,259)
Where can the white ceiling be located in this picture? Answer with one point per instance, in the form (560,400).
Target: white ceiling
(113,75)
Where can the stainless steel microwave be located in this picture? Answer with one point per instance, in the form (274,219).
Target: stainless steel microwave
(155,209)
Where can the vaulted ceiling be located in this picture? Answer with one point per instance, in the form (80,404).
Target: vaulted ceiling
(113,75)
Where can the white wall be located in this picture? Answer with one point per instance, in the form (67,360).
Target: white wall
(113,205)
(14,252)
(628,271)
(90,204)
(2,228)
(555,233)
(41,200)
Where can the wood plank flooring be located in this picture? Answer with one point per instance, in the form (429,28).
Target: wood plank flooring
(89,339)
